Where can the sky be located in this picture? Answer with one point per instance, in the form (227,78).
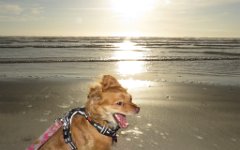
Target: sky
(162,18)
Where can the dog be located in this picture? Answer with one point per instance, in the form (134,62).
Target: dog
(108,105)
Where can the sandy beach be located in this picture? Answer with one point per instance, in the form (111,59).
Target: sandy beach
(173,115)
(187,88)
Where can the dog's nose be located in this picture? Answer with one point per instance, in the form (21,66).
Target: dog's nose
(137,109)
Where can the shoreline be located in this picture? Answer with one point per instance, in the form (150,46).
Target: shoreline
(173,115)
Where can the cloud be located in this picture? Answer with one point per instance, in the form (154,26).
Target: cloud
(10,9)
(202,3)
(16,12)
(35,10)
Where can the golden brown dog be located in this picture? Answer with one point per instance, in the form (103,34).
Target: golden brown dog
(108,104)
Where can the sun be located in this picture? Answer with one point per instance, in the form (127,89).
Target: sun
(132,9)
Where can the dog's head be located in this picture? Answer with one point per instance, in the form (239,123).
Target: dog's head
(111,102)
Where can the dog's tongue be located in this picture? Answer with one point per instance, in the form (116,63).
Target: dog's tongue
(121,119)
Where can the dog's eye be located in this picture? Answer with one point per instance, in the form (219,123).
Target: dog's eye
(120,103)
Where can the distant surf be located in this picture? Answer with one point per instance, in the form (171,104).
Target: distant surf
(59,60)
(108,49)
(108,42)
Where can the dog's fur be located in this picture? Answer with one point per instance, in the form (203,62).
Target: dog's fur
(104,100)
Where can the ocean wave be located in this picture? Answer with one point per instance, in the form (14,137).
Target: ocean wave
(110,42)
(76,59)
(10,40)
(223,53)
(59,46)
(165,46)
(189,46)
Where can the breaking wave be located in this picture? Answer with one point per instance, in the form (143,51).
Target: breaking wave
(76,59)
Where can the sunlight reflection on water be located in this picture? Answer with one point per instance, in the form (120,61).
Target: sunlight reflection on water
(130,67)
(127,50)
(126,45)
(132,84)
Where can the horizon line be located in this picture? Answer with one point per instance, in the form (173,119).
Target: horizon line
(121,36)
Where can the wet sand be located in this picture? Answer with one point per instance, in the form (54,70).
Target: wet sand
(174,116)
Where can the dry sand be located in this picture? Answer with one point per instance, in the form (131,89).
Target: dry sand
(174,116)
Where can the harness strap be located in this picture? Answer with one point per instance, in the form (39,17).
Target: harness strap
(46,136)
(67,121)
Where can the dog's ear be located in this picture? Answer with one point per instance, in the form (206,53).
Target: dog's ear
(95,93)
(109,82)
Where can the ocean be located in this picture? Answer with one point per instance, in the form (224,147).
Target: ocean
(191,60)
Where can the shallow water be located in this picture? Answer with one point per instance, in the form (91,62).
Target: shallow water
(65,49)
(197,60)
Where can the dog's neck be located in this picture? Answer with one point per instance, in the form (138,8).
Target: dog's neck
(78,122)
(95,116)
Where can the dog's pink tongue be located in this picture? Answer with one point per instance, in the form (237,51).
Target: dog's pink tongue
(121,119)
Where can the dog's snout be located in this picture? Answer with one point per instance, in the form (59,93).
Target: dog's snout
(137,109)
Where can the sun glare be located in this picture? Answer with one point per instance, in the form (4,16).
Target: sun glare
(130,67)
(132,84)
(128,33)
(128,55)
(132,9)
(126,45)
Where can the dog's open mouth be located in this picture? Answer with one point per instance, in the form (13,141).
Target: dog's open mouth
(121,120)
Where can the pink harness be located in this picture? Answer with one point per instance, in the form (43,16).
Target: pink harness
(45,136)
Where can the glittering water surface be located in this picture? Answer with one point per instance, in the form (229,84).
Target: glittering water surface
(205,60)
